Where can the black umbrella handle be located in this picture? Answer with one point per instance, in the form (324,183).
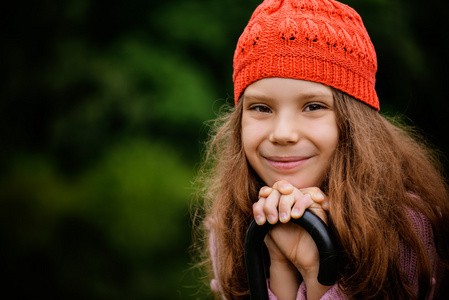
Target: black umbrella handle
(254,241)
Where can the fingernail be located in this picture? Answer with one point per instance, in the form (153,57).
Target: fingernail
(295,212)
(283,217)
(259,220)
(271,219)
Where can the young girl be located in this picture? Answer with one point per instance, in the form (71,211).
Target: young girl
(305,133)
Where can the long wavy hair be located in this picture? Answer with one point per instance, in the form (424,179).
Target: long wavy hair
(378,172)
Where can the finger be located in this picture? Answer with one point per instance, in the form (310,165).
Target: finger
(258,213)
(302,202)
(284,187)
(314,192)
(317,196)
(265,192)
(285,207)
(270,207)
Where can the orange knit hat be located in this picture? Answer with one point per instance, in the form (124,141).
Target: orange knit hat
(323,41)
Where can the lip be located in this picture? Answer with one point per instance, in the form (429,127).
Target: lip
(287,162)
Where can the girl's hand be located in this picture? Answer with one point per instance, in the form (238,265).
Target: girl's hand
(283,201)
(289,243)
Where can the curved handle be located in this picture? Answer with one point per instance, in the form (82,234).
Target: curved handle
(327,274)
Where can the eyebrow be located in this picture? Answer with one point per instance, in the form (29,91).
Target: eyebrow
(315,95)
(257,97)
(305,96)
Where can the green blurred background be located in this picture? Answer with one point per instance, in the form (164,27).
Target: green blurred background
(102,111)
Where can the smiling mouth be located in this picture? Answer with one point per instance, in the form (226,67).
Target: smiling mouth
(286,163)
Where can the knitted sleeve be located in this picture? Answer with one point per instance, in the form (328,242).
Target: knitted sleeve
(214,284)
(333,293)
(423,228)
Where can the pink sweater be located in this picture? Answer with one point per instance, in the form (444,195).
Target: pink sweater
(408,263)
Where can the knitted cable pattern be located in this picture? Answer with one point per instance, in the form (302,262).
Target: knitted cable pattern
(323,41)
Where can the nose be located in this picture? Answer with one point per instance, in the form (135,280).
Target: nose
(285,130)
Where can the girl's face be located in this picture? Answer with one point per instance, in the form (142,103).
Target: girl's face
(289,130)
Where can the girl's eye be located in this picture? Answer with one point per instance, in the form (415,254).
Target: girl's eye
(261,108)
(313,107)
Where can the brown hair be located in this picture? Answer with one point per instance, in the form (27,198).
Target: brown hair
(377,173)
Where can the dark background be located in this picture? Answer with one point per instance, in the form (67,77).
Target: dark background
(102,106)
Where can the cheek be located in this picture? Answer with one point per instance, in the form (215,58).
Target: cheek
(327,138)
(333,136)
(332,140)
(251,135)
(246,139)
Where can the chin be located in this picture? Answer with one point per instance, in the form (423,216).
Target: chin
(296,182)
